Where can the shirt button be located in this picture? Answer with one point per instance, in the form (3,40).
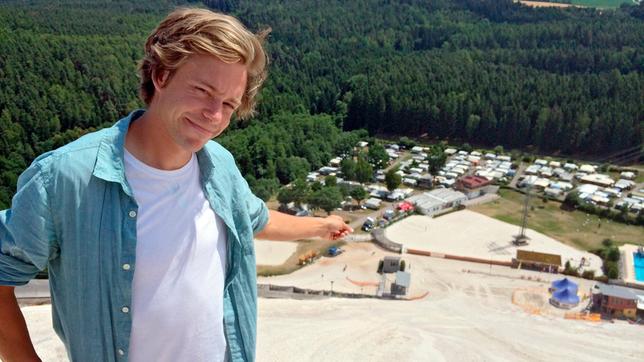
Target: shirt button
(132,213)
(125,310)
(121,352)
(126,267)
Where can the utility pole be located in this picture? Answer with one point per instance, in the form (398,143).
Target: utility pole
(522,239)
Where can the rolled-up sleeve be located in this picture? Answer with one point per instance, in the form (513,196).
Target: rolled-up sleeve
(257,211)
(26,230)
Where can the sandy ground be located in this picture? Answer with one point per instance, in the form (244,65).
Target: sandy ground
(467,233)
(273,252)
(47,344)
(469,315)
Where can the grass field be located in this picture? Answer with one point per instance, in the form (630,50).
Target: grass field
(574,228)
(605,4)
(600,4)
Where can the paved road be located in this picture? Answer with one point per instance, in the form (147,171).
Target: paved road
(358,238)
(515,179)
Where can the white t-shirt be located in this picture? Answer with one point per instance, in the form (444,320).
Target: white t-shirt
(177,291)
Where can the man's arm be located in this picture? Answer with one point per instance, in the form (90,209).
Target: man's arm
(282,226)
(15,343)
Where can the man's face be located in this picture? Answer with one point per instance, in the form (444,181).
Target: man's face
(196,103)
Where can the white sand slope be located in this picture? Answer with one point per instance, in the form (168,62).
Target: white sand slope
(273,252)
(467,233)
(47,344)
(469,315)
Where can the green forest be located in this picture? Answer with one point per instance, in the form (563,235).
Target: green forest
(487,72)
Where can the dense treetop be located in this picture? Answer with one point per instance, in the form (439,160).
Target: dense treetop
(484,71)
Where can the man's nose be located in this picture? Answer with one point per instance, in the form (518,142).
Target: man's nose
(214,111)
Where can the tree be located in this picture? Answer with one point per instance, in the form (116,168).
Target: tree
(327,199)
(572,199)
(406,143)
(297,192)
(607,243)
(364,171)
(291,168)
(285,195)
(265,188)
(316,185)
(330,181)
(588,274)
(358,194)
(436,159)
(348,167)
(612,270)
(392,179)
(613,254)
(472,125)
(377,156)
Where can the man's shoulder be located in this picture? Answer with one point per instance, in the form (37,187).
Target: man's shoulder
(219,153)
(82,151)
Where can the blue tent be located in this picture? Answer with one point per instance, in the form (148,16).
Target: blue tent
(564,283)
(565,298)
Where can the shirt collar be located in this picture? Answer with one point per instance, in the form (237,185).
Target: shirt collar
(110,158)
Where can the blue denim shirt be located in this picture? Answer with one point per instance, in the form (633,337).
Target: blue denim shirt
(74,212)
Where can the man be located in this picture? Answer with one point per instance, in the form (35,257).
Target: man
(147,227)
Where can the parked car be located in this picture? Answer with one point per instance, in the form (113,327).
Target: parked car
(368,224)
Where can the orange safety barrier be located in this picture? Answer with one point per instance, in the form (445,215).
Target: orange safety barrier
(362,284)
(418,296)
(591,317)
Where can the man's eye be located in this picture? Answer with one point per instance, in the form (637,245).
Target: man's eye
(201,90)
(229,105)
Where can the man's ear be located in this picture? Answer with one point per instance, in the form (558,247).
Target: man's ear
(160,78)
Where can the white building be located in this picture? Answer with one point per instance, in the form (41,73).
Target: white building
(373,203)
(624,184)
(587,189)
(598,179)
(587,168)
(409,181)
(570,167)
(552,192)
(627,175)
(434,201)
(532,170)
(335,162)
(450,151)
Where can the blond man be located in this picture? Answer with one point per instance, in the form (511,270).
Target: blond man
(147,227)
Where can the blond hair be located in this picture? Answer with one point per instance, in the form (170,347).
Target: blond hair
(188,31)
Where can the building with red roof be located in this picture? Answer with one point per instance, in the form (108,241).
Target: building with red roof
(472,186)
